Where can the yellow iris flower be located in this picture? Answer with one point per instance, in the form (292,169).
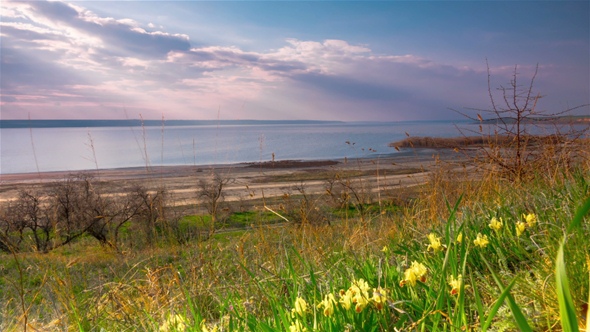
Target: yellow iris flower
(481,240)
(204,327)
(174,323)
(435,243)
(346,299)
(520,227)
(417,271)
(297,327)
(531,219)
(300,307)
(379,297)
(455,284)
(360,294)
(496,224)
(328,305)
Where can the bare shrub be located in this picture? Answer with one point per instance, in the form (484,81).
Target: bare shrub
(148,209)
(210,193)
(345,191)
(23,217)
(302,208)
(71,209)
(445,142)
(78,208)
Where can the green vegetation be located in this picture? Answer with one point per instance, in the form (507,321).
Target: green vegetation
(464,254)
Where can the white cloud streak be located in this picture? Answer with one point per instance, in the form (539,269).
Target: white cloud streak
(55,53)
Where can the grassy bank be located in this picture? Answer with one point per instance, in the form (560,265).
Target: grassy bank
(458,253)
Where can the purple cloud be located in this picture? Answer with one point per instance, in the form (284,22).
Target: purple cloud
(60,59)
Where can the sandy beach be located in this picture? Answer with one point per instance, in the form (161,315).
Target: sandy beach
(248,181)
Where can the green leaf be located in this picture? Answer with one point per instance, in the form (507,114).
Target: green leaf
(582,211)
(567,310)
(497,305)
(521,322)
(478,302)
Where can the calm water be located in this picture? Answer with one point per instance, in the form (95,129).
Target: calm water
(69,149)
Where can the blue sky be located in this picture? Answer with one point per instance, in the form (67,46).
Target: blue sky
(350,61)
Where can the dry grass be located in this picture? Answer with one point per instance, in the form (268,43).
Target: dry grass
(447,142)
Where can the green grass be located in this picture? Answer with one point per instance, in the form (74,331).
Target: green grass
(258,279)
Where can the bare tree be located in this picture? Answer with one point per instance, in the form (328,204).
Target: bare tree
(75,207)
(510,144)
(5,230)
(78,208)
(14,222)
(35,217)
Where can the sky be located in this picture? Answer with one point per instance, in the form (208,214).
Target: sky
(288,60)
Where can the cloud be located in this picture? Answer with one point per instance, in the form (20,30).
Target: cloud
(7,99)
(351,88)
(21,69)
(124,36)
(62,58)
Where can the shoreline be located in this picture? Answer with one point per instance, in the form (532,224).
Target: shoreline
(153,171)
(249,181)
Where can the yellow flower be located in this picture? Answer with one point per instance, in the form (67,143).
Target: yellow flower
(455,284)
(379,297)
(385,249)
(417,271)
(531,219)
(520,227)
(360,294)
(434,242)
(481,240)
(328,304)
(346,299)
(460,238)
(300,307)
(496,224)
(297,327)
(361,303)
(360,286)
(204,327)
(174,323)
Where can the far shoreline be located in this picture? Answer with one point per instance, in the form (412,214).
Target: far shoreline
(405,155)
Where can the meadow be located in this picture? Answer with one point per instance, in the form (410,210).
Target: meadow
(470,248)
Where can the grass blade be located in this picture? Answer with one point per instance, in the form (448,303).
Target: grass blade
(567,310)
(521,322)
(478,301)
(582,211)
(497,305)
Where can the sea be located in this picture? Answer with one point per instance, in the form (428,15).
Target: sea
(31,146)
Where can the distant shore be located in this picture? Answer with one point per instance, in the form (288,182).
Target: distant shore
(566,119)
(69,123)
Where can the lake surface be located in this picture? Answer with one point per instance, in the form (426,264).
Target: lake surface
(24,150)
